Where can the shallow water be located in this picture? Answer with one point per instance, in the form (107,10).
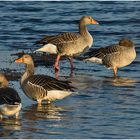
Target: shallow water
(104,107)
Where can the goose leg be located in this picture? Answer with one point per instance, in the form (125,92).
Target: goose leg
(17,115)
(115,71)
(72,67)
(57,75)
(39,102)
(56,66)
(71,74)
(71,63)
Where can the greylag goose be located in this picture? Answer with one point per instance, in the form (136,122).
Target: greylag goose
(42,87)
(68,44)
(114,56)
(10,102)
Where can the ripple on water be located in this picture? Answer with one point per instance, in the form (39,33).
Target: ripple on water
(104,107)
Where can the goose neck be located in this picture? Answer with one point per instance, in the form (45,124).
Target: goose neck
(83,29)
(28,72)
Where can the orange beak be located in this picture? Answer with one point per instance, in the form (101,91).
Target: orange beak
(19,60)
(94,22)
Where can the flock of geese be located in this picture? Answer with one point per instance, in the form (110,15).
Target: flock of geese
(43,87)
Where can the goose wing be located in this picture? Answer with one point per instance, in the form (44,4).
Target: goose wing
(59,39)
(48,83)
(9,96)
(102,52)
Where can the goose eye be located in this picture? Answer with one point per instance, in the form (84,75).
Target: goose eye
(26,57)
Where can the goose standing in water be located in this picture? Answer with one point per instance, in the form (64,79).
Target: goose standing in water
(114,56)
(68,44)
(10,102)
(42,87)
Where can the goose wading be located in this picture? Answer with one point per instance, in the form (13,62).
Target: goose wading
(68,44)
(42,87)
(114,56)
(10,102)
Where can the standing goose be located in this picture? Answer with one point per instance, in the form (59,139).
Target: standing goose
(10,102)
(68,44)
(114,56)
(42,87)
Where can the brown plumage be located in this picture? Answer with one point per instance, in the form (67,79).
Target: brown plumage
(69,44)
(114,56)
(42,87)
(10,102)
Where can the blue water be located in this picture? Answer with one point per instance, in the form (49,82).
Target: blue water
(104,107)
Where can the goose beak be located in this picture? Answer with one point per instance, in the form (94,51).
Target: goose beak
(19,60)
(94,21)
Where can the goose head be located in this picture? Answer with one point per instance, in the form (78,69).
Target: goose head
(3,81)
(26,59)
(126,42)
(88,20)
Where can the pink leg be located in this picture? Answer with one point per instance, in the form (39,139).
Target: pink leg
(57,74)
(56,66)
(71,74)
(71,63)
(72,67)
(115,72)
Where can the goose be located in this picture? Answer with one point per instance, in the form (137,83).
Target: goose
(68,44)
(10,102)
(42,87)
(113,56)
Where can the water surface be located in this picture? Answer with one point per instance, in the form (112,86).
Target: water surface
(104,107)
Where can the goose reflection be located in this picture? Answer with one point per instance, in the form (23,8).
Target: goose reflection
(9,126)
(49,111)
(84,82)
(120,81)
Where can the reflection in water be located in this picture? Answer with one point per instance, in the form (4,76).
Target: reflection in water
(9,126)
(85,82)
(48,111)
(47,119)
(120,81)
(57,74)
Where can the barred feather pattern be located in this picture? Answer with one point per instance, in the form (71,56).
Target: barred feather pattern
(37,86)
(102,52)
(9,96)
(59,39)
(113,56)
